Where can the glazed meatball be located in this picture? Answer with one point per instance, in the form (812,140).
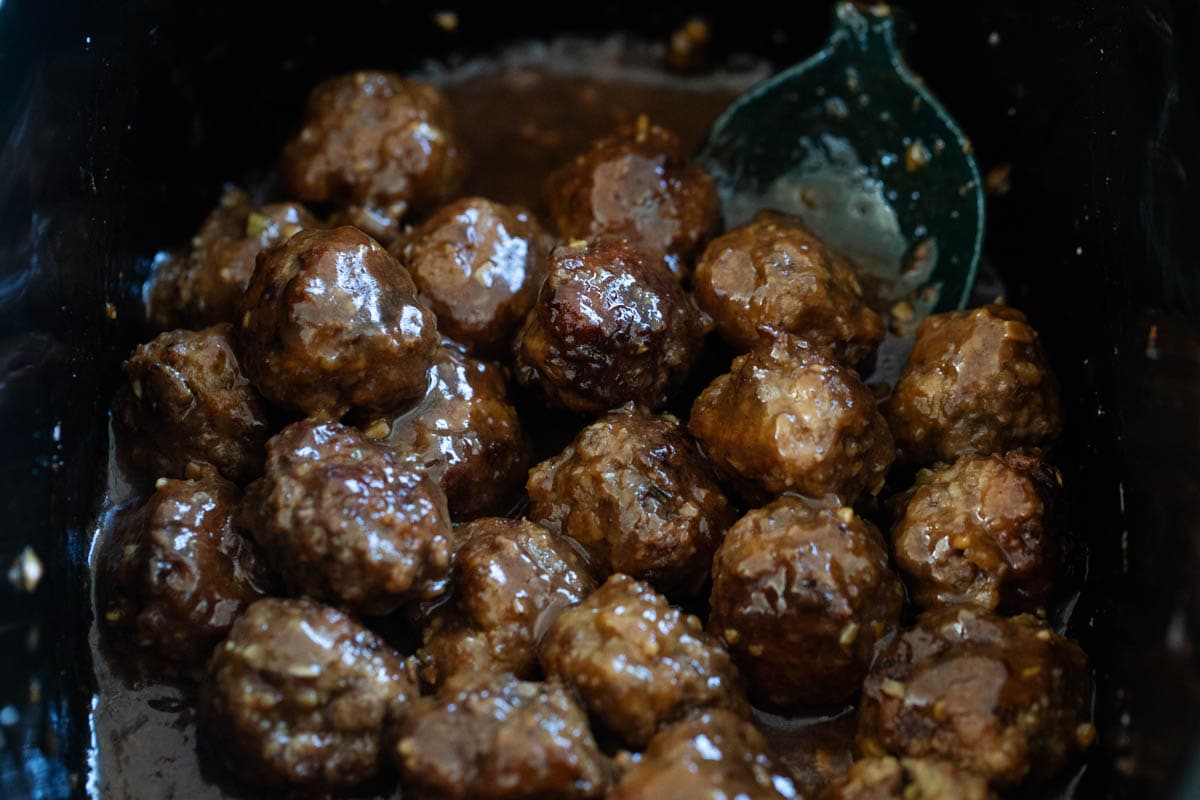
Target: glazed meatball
(344,521)
(330,322)
(786,418)
(801,594)
(636,184)
(510,580)
(378,145)
(495,738)
(177,572)
(465,433)
(889,778)
(976,381)
(205,285)
(1004,698)
(979,531)
(299,695)
(479,265)
(189,401)
(634,491)
(610,325)
(773,273)
(638,662)
(711,755)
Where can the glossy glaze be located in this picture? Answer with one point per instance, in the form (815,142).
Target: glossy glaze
(801,594)
(634,491)
(343,520)
(331,322)
(785,418)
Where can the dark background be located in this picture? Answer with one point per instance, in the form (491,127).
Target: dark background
(120,120)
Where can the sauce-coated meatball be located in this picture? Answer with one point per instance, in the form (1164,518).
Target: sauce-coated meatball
(638,662)
(711,755)
(610,325)
(635,492)
(177,572)
(377,144)
(785,418)
(331,322)
(976,381)
(979,531)
(1005,698)
(465,433)
(774,273)
(510,580)
(343,520)
(205,285)
(636,184)
(189,401)
(801,594)
(497,738)
(299,695)
(889,778)
(479,265)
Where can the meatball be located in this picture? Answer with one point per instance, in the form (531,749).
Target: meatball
(634,491)
(465,433)
(344,521)
(888,778)
(773,273)
(189,401)
(299,695)
(378,145)
(801,594)
(479,265)
(980,531)
(785,418)
(711,755)
(177,571)
(510,580)
(610,325)
(636,184)
(638,662)
(205,285)
(1005,698)
(495,737)
(976,381)
(330,321)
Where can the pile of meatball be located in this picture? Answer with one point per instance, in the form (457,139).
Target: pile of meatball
(330,426)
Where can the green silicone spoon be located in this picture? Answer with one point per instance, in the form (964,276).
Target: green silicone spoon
(853,142)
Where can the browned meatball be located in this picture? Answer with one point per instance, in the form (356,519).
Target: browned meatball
(493,737)
(785,418)
(889,778)
(330,321)
(801,594)
(177,572)
(299,695)
(977,532)
(713,755)
(976,381)
(342,520)
(378,145)
(205,285)
(479,265)
(465,433)
(638,662)
(510,580)
(636,184)
(634,491)
(610,325)
(775,273)
(189,401)
(1005,698)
